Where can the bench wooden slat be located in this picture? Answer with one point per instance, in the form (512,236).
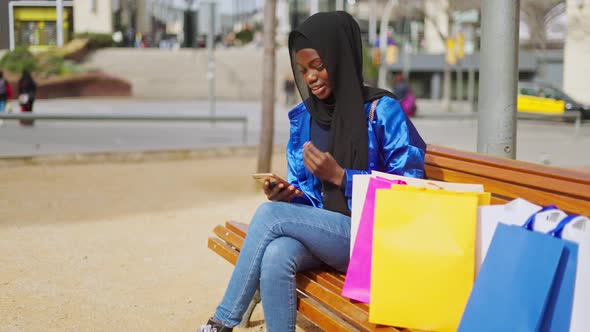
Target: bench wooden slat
(234,239)
(498,200)
(333,283)
(503,163)
(570,187)
(324,319)
(237,227)
(223,249)
(350,313)
(509,190)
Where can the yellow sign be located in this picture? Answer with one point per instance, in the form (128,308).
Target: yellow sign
(376,56)
(38,14)
(451,53)
(35,26)
(460,46)
(391,54)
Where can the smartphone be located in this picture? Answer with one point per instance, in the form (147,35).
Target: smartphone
(272,178)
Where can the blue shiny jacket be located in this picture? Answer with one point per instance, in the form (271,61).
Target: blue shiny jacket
(394,147)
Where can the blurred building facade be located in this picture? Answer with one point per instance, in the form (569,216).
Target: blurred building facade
(577,48)
(33,23)
(420,29)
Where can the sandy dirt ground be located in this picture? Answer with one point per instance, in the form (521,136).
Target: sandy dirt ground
(119,246)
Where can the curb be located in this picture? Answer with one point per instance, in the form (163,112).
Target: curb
(133,157)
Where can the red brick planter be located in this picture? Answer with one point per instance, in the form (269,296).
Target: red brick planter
(92,84)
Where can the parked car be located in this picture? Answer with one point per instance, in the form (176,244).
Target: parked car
(544,98)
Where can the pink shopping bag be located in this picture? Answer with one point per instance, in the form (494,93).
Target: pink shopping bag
(357,285)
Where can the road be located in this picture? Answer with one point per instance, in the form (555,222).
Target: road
(550,142)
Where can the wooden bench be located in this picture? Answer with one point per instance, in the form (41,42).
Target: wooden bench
(319,291)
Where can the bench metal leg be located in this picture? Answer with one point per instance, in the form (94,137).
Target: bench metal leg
(248,314)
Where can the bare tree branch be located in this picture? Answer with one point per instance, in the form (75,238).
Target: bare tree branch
(538,14)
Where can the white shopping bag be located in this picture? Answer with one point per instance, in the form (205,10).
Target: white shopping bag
(578,230)
(422,183)
(360,183)
(515,212)
(547,220)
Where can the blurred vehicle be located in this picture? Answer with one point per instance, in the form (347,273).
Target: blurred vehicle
(544,98)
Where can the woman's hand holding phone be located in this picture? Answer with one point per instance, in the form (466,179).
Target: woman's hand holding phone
(277,189)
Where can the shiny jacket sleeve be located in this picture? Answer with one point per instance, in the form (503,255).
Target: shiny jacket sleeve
(399,147)
(293,180)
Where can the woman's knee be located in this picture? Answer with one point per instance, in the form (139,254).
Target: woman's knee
(280,259)
(267,215)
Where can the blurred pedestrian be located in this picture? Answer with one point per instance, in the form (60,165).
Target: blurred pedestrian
(5,91)
(401,88)
(27,89)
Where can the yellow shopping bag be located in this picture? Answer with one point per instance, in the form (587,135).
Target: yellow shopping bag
(423,256)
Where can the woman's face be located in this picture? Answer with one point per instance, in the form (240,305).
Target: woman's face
(314,73)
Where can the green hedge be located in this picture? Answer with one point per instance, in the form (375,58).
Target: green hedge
(96,40)
(49,63)
(370,70)
(18,60)
(245,36)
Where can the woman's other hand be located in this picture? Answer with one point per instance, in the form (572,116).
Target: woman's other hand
(280,192)
(322,164)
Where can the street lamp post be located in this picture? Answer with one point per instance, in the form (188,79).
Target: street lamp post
(498,78)
(59,7)
(210,57)
(383,43)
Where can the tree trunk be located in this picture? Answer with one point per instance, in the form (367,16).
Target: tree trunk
(268,88)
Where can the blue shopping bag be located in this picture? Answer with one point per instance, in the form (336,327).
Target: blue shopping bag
(559,308)
(515,282)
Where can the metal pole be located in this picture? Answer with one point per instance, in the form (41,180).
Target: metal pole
(339,4)
(471,83)
(59,6)
(459,71)
(471,71)
(407,66)
(211,60)
(11,24)
(372,21)
(383,43)
(498,78)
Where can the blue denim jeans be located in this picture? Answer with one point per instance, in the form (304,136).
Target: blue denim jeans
(2,105)
(283,238)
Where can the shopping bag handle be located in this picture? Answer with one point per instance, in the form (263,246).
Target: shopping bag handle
(436,186)
(531,220)
(558,230)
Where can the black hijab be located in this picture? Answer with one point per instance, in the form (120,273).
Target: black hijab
(337,39)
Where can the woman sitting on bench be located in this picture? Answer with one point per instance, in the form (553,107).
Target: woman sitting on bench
(342,128)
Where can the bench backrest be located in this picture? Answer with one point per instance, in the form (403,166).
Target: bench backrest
(507,179)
